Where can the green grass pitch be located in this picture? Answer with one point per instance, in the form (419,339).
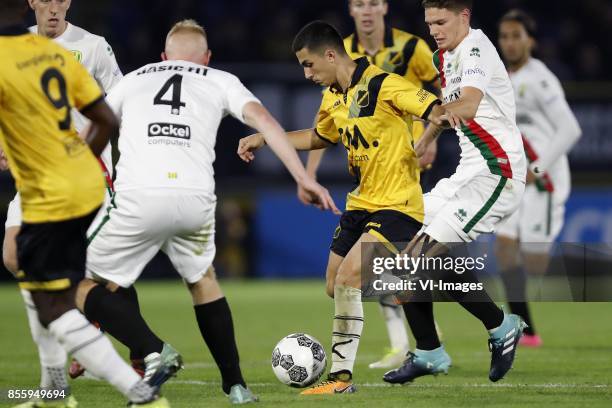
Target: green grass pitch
(574,368)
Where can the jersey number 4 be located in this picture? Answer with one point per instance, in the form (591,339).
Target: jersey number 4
(175,82)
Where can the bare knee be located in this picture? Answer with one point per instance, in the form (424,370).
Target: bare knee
(52,305)
(206,289)
(9,250)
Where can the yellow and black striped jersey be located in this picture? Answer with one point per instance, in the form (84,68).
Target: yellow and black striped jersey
(373,119)
(403,54)
(55,171)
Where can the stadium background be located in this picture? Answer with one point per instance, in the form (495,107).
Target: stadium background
(262,229)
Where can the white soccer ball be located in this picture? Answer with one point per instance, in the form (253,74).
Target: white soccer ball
(298,360)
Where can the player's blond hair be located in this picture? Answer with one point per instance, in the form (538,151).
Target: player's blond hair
(187,26)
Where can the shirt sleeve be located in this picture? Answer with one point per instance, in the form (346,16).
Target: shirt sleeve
(407,98)
(107,71)
(477,68)
(236,97)
(326,127)
(552,102)
(422,62)
(83,88)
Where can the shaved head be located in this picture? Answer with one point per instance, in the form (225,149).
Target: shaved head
(187,41)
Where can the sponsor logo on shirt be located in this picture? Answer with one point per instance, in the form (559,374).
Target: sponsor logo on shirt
(474,71)
(169,130)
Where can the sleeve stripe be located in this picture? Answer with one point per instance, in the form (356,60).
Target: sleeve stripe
(425,114)
(323,137)
(91,104)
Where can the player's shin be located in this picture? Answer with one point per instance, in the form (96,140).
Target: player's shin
(217,329)
(96,353)
(348,325)
(51,354)
(121,318)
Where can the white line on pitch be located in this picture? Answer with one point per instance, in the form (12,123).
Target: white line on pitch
(381,385)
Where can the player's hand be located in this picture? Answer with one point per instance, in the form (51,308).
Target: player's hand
(318,195)
(427,157)
(3,161)
(304,196)
(452,120)
(531,177)
(247,145)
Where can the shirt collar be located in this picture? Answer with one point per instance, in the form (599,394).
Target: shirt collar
(388,40)
(362,65)
(14,30)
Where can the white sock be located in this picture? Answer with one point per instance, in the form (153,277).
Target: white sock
(394,318)
(94,351)
(50,353)
(348,325)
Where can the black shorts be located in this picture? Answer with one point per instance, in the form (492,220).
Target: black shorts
(389,226)
(52,255)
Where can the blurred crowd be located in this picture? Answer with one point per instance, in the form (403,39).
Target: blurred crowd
(574,36)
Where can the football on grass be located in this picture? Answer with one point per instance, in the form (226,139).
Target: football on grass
(298,360)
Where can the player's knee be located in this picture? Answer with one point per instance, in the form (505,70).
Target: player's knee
(85,286)
(10,262)
(506,253)
(329,289)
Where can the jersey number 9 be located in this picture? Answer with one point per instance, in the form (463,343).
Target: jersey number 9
(60,102)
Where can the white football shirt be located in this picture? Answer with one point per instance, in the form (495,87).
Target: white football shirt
(98,58)
(546,122)
(491,142)
(170,112)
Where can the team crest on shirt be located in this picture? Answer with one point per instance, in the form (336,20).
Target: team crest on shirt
(78,55)
(362,98)
(475,52)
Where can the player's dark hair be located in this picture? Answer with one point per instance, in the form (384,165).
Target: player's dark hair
(522,18)
(318,35)
(455,5)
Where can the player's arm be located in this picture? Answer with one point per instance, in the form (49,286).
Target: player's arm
(270,132)
(104,126)
(107,73)
(551,99)
(466,106)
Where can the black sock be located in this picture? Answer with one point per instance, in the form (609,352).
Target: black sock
(522,309)
(121,318)
(217,329)
(130,295)
(515,283)
(421,320)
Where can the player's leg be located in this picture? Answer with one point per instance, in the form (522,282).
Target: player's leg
(345,237)
(117,253)
(479,204)
(393,316)
(51,355)
(192,254)
(52,255)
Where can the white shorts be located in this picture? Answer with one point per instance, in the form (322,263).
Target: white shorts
(13,215)
(461,212)
(537,222)
(140,223)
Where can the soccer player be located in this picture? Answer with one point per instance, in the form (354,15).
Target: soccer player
(370,111)
(39,84)
(487,186)
(409,56)
(98,58)
(549,130)
(170,112)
